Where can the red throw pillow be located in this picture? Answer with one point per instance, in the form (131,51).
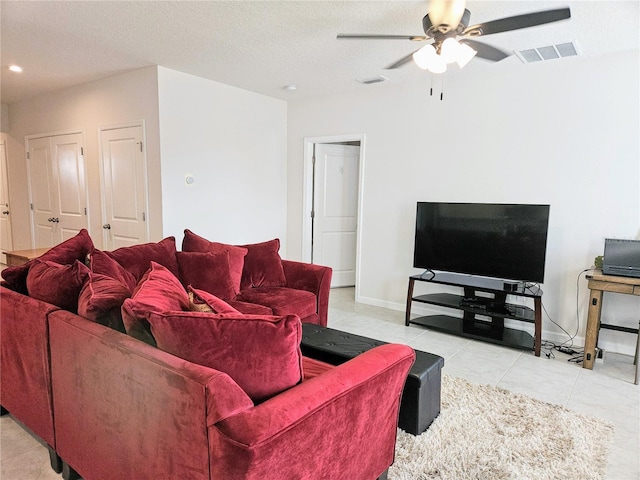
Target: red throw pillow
(207,271)
(202,301)
(158,291)
(137,258)
(65,253)
(263,266)
(103,264)
(261,353)
(101,299)
(196,243)
(57,284)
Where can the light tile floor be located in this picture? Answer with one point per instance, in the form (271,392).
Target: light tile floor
(605,392)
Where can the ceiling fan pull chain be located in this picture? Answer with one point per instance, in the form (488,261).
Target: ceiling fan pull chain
(442,89)
(431,90)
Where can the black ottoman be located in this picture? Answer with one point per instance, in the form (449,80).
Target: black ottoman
(421,395)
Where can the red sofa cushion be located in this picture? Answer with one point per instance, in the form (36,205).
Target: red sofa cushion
(312,368)
(202,301)
(137,258)
(57,284)
(195,243)
(100,262)
(263,266)
(65,253)
(261,353)
(101,299)
(281,300)
(207,271)
(250,308)
(158,291)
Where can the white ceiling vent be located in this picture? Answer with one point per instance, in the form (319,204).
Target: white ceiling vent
(549,52)
(369,81)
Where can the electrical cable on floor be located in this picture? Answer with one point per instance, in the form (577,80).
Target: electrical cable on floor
(548,346)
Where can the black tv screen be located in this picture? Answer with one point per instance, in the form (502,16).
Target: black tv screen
(506,241)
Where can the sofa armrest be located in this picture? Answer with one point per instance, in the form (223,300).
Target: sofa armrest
(124,409)
(312,278)
(25,383)
(340,424)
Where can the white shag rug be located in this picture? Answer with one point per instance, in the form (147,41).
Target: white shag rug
(489,433)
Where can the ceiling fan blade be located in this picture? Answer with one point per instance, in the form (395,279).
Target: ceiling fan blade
(517,22)
(486,51)
(358,36)
(401,62)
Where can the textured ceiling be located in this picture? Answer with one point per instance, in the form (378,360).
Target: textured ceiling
(264,45)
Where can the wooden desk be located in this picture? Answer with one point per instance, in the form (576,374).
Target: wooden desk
(598,284)
(20,257)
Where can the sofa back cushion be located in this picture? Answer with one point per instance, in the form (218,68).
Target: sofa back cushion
(207,271)
(101,300)
(57,284)
(65,253)
(195,243)
(202,301)
(158,291)
(263,266)
(261,353)
(136,259)
(100,262)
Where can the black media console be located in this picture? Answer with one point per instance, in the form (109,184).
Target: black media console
(484,308)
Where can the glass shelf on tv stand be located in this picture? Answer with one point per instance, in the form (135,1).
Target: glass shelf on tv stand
(483,316)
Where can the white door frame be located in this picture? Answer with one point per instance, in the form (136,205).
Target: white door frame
(307,194)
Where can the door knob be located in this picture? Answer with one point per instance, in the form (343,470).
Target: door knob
(49,219)
(5,212)
(106,226)
(56,220)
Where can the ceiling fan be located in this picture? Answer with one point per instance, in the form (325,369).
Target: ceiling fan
(449,19)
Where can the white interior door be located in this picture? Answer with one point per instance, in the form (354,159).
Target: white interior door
(124,187)
(72,193)
(6,239)
(335,208)
(57,188)
(44,204)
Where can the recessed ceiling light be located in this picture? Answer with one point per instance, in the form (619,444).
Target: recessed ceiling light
(290,88)
(15,68)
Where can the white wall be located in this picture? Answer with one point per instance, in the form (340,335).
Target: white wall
(115,100)
(560,132)
(233,143)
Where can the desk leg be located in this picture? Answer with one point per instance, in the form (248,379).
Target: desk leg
(407,317)
(593,326)
(537,340)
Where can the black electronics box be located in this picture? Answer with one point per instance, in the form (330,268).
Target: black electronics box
(621,257)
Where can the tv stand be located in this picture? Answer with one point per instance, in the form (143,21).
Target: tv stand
(483,297)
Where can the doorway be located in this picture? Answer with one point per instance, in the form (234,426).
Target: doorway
(6,239)
(332,197)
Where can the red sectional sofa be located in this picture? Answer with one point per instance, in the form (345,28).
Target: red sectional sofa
(225,394)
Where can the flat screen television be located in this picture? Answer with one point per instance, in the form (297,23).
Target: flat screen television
(505,241)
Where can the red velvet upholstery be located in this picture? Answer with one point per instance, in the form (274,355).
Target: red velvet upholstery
(101,300)
(250,308)
(57,284)
(158,291)
(127,410)
(137,258)
(312,278)
(201,301)
(261,353)
(100,262)
(207,271)
(262,265)
(65,253)
(195,243)
(25,382)
(281,300)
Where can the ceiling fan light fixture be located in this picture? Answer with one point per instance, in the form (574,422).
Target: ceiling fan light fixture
(465,54)
(449,51)
(428,59)
(446,13)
